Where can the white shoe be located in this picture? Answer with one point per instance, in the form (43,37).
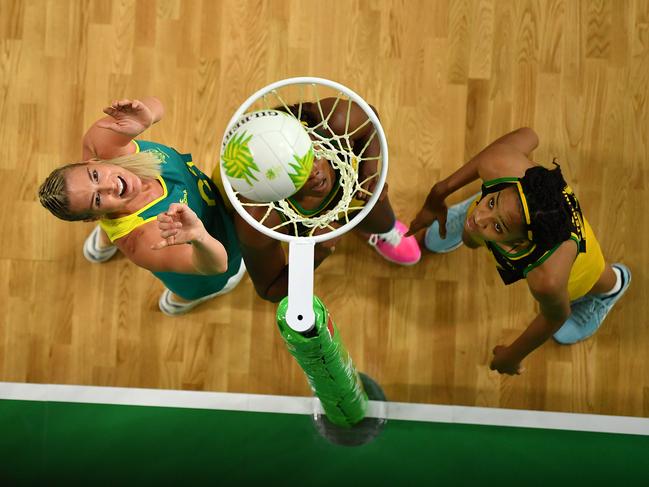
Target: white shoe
(93,252)
(171,307)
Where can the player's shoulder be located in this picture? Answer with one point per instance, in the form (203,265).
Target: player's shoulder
(139,238)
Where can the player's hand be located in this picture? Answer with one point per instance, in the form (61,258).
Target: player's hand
(179,225)
(503,363)
(433,210)
(368,191)
(367,188)
(130,117)
(369,177)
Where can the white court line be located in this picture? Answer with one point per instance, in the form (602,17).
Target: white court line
(308,405)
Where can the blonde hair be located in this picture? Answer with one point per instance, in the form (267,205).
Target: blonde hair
(53,193)
(145,164)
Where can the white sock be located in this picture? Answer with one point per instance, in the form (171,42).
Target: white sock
(618,284)
(384,235)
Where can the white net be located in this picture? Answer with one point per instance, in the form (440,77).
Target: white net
(339,145)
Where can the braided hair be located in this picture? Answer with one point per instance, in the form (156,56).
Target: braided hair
(551,209)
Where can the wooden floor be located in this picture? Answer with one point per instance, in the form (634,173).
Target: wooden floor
(447,78)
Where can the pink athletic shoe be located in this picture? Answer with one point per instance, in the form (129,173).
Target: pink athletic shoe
(393,246)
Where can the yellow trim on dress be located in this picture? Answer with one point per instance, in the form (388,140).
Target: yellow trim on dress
(218,182)
(117,228)
(526,210)
(587,267)
(482,243)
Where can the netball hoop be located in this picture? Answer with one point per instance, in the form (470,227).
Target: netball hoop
(346,159)
(303,320)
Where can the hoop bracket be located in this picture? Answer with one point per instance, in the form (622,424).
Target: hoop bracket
(299,314)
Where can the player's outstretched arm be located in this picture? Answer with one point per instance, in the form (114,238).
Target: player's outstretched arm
(180,225)
(347,117)
(505,157)
(176,242)
(111,136)
(548,284)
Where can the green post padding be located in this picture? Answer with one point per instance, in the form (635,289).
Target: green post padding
(327,365)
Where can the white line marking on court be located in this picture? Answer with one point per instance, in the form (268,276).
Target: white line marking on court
(261,403)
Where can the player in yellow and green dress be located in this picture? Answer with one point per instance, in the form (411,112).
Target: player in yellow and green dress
(152,203)
(531,222)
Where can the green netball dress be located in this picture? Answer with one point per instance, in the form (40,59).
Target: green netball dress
(182,182)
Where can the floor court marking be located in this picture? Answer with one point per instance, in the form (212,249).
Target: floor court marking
(307,405)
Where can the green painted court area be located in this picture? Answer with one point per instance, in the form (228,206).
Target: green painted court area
(56,443)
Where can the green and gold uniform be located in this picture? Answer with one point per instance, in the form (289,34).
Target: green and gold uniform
(182,182)
(513,266)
